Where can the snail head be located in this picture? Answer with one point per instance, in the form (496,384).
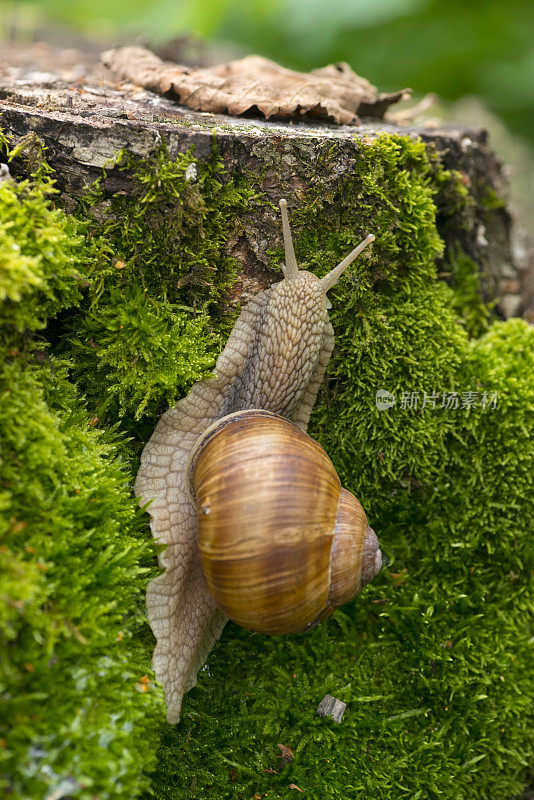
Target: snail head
(291,270)
(296,338)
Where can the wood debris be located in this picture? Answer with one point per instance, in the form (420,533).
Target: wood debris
(257,85)
(286,754)
(331,707)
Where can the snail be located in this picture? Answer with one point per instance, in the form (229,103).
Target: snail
(274,361)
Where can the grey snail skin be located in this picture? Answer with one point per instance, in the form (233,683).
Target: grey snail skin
(256,525)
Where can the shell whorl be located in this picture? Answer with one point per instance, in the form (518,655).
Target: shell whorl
(275,358)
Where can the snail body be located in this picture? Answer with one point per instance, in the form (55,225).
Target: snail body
(274,360)
(274,521)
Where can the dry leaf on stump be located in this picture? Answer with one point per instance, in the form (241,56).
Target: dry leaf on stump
(253,83)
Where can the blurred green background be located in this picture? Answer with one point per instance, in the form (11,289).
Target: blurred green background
(479,49)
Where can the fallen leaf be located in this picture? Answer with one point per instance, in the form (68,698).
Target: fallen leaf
(286,754)
(256,84)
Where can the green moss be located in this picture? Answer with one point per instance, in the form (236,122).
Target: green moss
(454,198)
(432,659)
(72,580)
(38,248)
(473,313)
(180,212)
(75,558)
(491,200)
(382,197)
(135,355)
(154,320)
(467,205)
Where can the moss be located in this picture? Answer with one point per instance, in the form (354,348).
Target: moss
(38,247)
(154,320)
(72,580)
(432,659)
(472,312)
(78,717)
(454,198)
(491,200)
(135,355)
(469,209)
(177,207)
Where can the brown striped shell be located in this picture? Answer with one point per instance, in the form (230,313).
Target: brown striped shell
(281,543)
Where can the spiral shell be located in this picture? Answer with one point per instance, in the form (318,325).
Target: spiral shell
(281,542)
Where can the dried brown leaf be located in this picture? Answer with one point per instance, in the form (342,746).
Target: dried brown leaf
(255,84)
(286,754)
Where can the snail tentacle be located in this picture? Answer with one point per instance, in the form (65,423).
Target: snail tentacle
(334,275)
(291,271)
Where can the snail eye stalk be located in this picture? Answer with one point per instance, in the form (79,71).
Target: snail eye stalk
(291,271)
(334,275)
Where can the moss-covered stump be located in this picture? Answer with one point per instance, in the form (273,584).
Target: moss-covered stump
(84,127)
(114,299)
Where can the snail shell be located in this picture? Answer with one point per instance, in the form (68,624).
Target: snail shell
(281,542)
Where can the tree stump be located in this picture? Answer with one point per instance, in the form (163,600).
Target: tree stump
(85,123)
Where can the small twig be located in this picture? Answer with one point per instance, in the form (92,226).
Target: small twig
(185,745)
(408,114)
